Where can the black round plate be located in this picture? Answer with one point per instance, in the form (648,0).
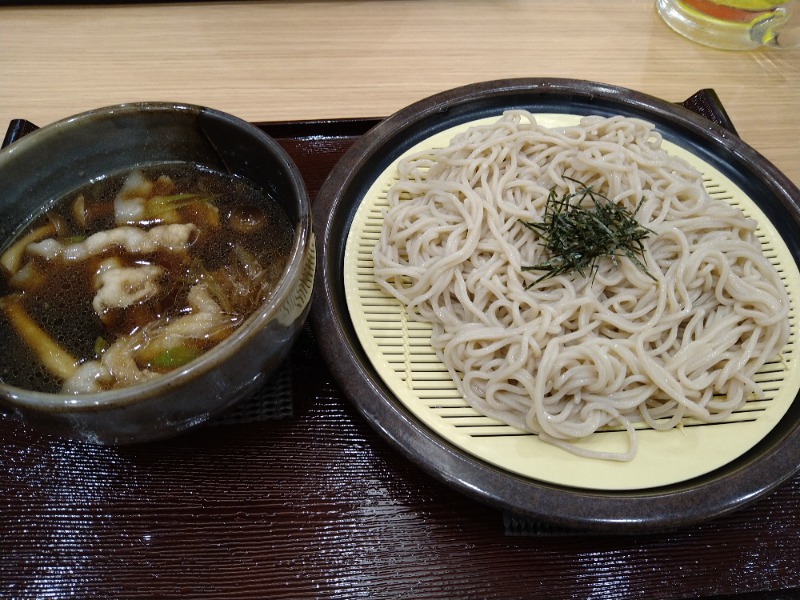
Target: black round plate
(765,466)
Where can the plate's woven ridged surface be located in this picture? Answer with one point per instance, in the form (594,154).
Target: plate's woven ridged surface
(400,351)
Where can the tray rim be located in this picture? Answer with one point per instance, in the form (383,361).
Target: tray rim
(619,512)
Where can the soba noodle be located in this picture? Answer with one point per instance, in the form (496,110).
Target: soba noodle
(573,354)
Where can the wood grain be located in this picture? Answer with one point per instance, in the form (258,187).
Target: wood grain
(270,61)
(318,506)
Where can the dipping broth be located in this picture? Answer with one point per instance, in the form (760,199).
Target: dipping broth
(135,275)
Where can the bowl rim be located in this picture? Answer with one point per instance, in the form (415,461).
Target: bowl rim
(225,350)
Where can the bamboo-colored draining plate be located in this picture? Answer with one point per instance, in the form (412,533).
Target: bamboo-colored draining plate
(400,351)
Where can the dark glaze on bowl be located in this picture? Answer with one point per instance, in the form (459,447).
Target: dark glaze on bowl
(59,158)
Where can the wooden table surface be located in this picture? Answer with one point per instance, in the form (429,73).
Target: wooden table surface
(266,61)
(319,505)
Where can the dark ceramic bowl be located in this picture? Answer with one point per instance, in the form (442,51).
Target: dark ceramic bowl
(59,158)
(768,464)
